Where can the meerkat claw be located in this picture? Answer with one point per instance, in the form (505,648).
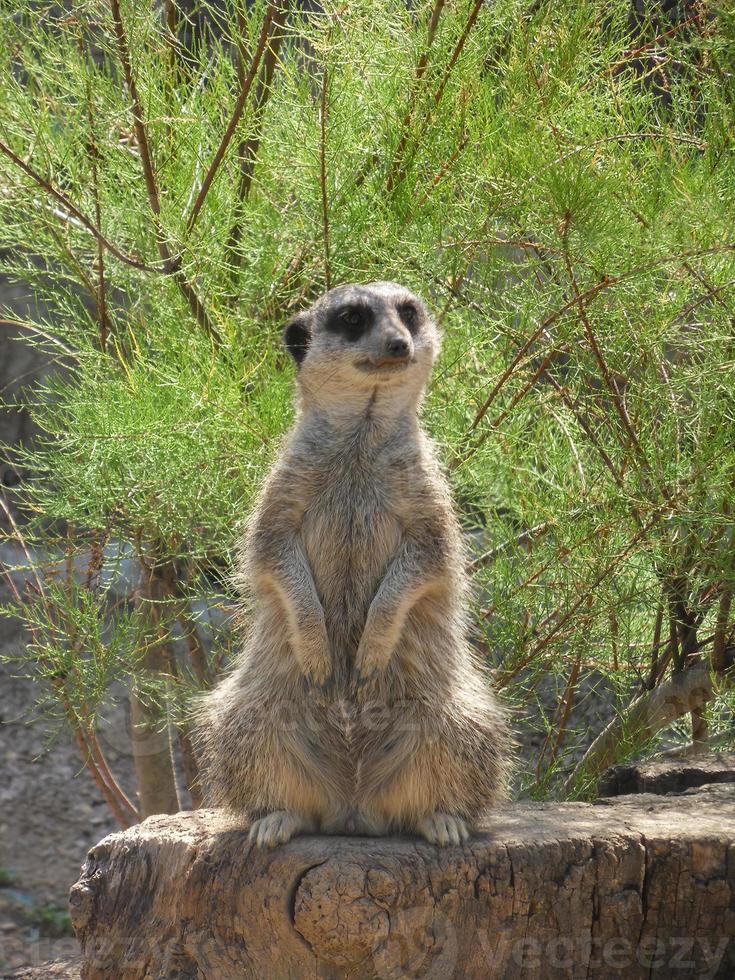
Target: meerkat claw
(444,829)
(366,677)
(363,679)
(277,828)
(325,688)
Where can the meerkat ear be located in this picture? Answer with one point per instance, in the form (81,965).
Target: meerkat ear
(296,337)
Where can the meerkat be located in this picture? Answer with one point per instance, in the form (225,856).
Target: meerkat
(357,704)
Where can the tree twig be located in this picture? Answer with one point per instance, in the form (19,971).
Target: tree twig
(115,805)
(123,811)
(78,215)
(719,646)
(564,710)
(476,8)
(508,675)
(93,153)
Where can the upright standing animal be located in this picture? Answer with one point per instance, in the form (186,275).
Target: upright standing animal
(357,704)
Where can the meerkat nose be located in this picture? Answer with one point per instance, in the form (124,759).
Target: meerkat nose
(397,347)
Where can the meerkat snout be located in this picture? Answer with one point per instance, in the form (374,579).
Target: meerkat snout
(398,348)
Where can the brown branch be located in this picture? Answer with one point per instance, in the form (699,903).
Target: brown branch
(637,52)
(713,292)
(590,293)
(172,265)
(246,85)
(519,395)
(115,789)
(476,8)
(139,127)
(508,675)
(654,668)
(439,92)
(540,371)
(151,742)
(443,171)
(455,290)
(75,213)
(122,809)
(564,709)
(533,534)
(114,804)
(719,646)
(621,138)
(597,352)
(605,370)
(587,429)
(171,19)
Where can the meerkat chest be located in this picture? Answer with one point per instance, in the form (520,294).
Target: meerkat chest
(353,524)
(355,517)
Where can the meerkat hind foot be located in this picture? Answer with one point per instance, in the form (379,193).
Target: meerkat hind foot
(444,829)
(278,827)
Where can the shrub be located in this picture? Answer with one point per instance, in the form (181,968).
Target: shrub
(556,179)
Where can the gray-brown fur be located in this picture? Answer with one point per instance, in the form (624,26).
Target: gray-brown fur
(357,704)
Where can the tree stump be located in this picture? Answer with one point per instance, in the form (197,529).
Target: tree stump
(637,886)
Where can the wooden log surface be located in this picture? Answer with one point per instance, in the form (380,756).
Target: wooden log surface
(629,887)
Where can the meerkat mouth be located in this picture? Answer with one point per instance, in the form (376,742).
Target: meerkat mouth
(384,364)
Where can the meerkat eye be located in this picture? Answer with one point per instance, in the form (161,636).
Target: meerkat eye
(352,317)
(350,321)
(409,315)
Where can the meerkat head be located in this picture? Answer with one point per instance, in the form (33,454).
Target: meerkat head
(362,338)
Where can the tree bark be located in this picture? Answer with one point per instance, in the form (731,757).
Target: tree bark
(639,886)
(150,734)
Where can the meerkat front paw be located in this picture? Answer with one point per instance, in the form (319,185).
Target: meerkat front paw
(278,827)
(444,829)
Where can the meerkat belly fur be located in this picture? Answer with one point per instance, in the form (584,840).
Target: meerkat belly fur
(357,704)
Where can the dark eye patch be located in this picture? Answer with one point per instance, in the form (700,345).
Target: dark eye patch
(351,321)
(409,316)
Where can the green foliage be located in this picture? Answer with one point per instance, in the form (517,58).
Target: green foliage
(558,182)
(50,920)
(6,878)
